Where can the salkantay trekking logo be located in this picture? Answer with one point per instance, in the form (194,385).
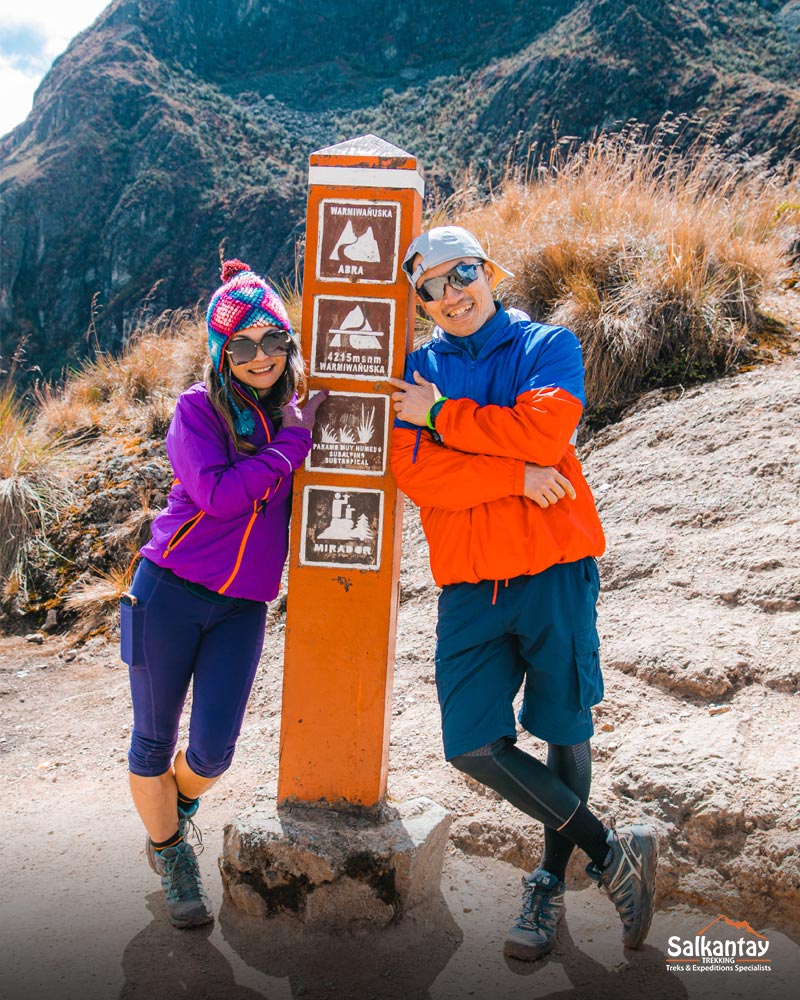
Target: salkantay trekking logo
(717,948)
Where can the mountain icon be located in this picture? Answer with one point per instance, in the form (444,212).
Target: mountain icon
(739,925)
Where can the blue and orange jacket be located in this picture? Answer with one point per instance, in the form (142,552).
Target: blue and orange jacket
(226,522)
(518,401)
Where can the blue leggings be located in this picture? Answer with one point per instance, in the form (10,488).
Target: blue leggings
(173,636)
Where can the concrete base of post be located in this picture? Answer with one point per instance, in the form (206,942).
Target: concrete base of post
(341,867)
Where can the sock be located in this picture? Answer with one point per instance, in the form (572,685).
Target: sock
(589,834)
(172,841)
(557,852)
(186,805)
(573,764)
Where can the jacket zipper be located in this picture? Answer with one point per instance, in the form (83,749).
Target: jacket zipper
(183,531)
(257,504)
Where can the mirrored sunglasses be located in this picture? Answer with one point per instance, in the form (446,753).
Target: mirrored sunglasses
(459,277)
(242,349)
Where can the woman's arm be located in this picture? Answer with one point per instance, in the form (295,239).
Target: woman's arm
(198,445)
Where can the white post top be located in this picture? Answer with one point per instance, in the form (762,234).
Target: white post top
(366,161)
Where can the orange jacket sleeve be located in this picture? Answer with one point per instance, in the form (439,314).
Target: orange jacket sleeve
(433,475)
(537,429)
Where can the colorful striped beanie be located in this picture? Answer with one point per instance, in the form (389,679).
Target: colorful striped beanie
(243,301)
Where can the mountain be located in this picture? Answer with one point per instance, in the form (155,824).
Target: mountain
(168,127)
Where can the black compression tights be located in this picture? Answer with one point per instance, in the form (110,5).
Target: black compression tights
(555,794)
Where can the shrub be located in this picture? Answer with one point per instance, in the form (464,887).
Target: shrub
(32,490)
(655,257)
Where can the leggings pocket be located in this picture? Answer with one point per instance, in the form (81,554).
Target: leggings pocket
(131,628)
(587,663)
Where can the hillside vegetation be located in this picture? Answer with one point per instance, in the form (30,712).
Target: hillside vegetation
(658,260)
(169,127)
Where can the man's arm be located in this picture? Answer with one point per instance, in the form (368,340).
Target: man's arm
(435,476)
(538,428)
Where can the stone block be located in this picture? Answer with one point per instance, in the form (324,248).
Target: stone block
(334,865)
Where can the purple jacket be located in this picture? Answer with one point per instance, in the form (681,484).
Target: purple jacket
(226,523)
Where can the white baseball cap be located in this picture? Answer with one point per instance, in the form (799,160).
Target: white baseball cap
(445,243)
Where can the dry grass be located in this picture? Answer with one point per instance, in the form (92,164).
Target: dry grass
(33,490)
(95,599)
(135,390)
(656,259)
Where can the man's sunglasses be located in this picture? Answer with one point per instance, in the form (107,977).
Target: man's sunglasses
(242,349)
(461,275)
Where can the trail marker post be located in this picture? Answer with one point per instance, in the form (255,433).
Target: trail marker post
(329,849)
(364,208)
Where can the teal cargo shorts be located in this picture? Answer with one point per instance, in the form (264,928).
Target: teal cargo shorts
(537,633)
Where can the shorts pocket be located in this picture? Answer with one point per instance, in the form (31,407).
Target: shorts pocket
(587,663)
(131,628)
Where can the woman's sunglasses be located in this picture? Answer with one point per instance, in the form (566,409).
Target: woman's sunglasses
(461,275)
(242,349)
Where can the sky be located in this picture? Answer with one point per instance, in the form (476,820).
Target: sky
(32,34)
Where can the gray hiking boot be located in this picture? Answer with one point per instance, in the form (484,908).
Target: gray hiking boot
(533,933)
(629,879)
(187,902)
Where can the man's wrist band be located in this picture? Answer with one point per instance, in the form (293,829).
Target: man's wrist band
(433,412)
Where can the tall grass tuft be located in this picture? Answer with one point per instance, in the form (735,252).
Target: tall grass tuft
(134,390)
(656,258)
(33,492)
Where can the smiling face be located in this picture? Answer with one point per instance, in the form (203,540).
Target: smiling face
(461,311)
(264,370)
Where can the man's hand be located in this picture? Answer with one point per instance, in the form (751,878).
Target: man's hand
(545,485)
(414,399)
(293,416)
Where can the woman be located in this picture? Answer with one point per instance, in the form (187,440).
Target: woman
(196,609)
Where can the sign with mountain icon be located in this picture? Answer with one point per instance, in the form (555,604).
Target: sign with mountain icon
(352,338)
(358,240)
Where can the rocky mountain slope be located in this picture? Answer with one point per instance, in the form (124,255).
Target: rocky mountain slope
(169,127)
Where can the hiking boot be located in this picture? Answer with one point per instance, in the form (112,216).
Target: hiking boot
(533,933)
(186,826)
(629,879)
(187,902)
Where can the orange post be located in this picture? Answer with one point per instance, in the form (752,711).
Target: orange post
(364,208)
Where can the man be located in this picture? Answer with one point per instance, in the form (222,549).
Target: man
(484,444)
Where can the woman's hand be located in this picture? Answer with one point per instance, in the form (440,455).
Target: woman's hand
(293,416)
(545,485)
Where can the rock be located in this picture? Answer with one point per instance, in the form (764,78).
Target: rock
(51,621)
(337,868)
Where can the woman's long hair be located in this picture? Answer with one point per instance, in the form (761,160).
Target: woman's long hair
(292,381)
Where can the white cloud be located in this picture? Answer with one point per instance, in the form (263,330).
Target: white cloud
(32,34)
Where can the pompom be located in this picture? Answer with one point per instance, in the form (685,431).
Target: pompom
(245,425)
(230,268)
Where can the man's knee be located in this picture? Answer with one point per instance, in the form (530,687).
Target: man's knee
(482,761)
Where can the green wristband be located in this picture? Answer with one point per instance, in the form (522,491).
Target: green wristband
(433,412)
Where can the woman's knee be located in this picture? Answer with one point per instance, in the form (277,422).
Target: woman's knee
(148,757)
(209,762)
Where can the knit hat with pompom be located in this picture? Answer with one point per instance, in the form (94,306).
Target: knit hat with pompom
(243,301)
